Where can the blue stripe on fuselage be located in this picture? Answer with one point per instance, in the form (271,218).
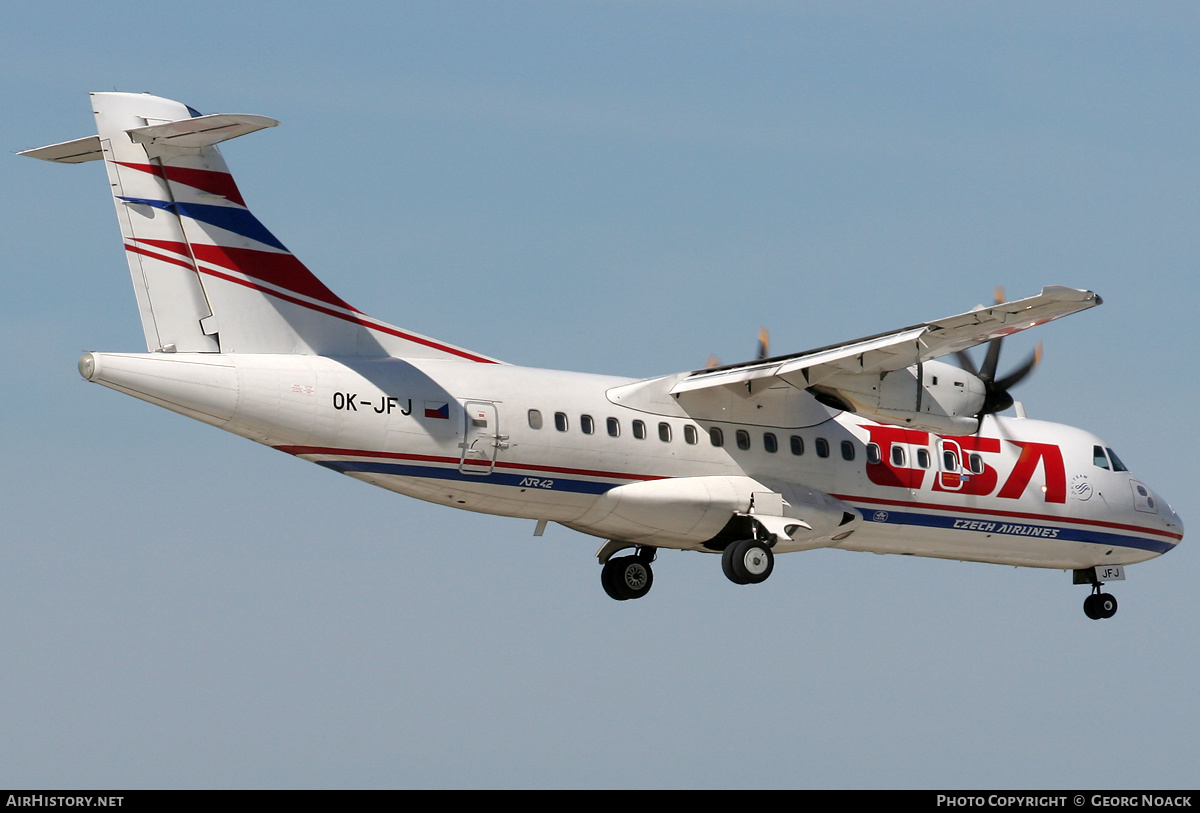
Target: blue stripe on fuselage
(890,516)
(537,483)
(1013,528)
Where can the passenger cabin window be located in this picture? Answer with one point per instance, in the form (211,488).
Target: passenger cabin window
(716,437)
(822,447)
(874,456)
(690,436)
(614,427)
(664,432)
(560,421)
(899,456)
(743,439)
(923,458)
(949,460)
(797,445)
(535,419)
(976,464)
(586,424)
(847,450)
(639,430)
(770,443)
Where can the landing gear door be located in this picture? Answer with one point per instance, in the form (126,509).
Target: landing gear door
(482,440)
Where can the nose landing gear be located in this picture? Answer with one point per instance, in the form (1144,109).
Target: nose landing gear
(1099,604)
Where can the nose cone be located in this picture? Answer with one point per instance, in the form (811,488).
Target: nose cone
(1174,522)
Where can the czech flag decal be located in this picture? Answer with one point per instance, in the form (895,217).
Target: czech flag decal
(437,409)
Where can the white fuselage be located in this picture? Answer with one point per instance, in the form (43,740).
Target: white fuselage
(622,460)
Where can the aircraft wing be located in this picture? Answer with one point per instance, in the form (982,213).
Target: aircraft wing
(897,349)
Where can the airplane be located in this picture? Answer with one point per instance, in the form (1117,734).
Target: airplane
(874,444)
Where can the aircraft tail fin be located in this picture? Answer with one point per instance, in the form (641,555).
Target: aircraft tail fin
(209,277)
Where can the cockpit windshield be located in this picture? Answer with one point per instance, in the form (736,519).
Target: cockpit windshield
(1116,461)
(1101,457)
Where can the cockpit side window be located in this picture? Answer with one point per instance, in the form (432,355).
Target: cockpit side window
(1116,461)
(1098,457)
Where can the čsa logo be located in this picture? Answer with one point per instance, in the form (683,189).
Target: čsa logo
(956,474)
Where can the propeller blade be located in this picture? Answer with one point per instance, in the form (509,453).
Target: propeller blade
(965,362)
(763,351)
(996,396)
(991,361)
(1018,375)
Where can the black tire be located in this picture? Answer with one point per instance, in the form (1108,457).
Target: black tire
(731,572)
(1106,605)
(628,577)
(1091,607)
(608,580)
(748,561)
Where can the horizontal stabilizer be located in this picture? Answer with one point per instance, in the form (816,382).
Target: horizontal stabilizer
(69,152)
(201,131)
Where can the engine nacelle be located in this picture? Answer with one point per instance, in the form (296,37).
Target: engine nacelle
(934,396)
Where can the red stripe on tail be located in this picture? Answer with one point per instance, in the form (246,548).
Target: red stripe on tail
(215,183)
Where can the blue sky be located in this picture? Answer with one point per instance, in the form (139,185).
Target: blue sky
(622,188)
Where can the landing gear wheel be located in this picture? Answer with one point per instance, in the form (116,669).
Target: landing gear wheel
(748,561)
(1100,605)
(608,580)
(731,572)
(626,577)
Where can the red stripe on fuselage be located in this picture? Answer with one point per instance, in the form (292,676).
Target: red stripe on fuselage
(612,475)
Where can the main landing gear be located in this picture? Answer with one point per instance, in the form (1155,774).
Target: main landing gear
(1099,604)
(627,577)
(747,561)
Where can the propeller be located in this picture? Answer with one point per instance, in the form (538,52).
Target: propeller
(763,351)
(996,391)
